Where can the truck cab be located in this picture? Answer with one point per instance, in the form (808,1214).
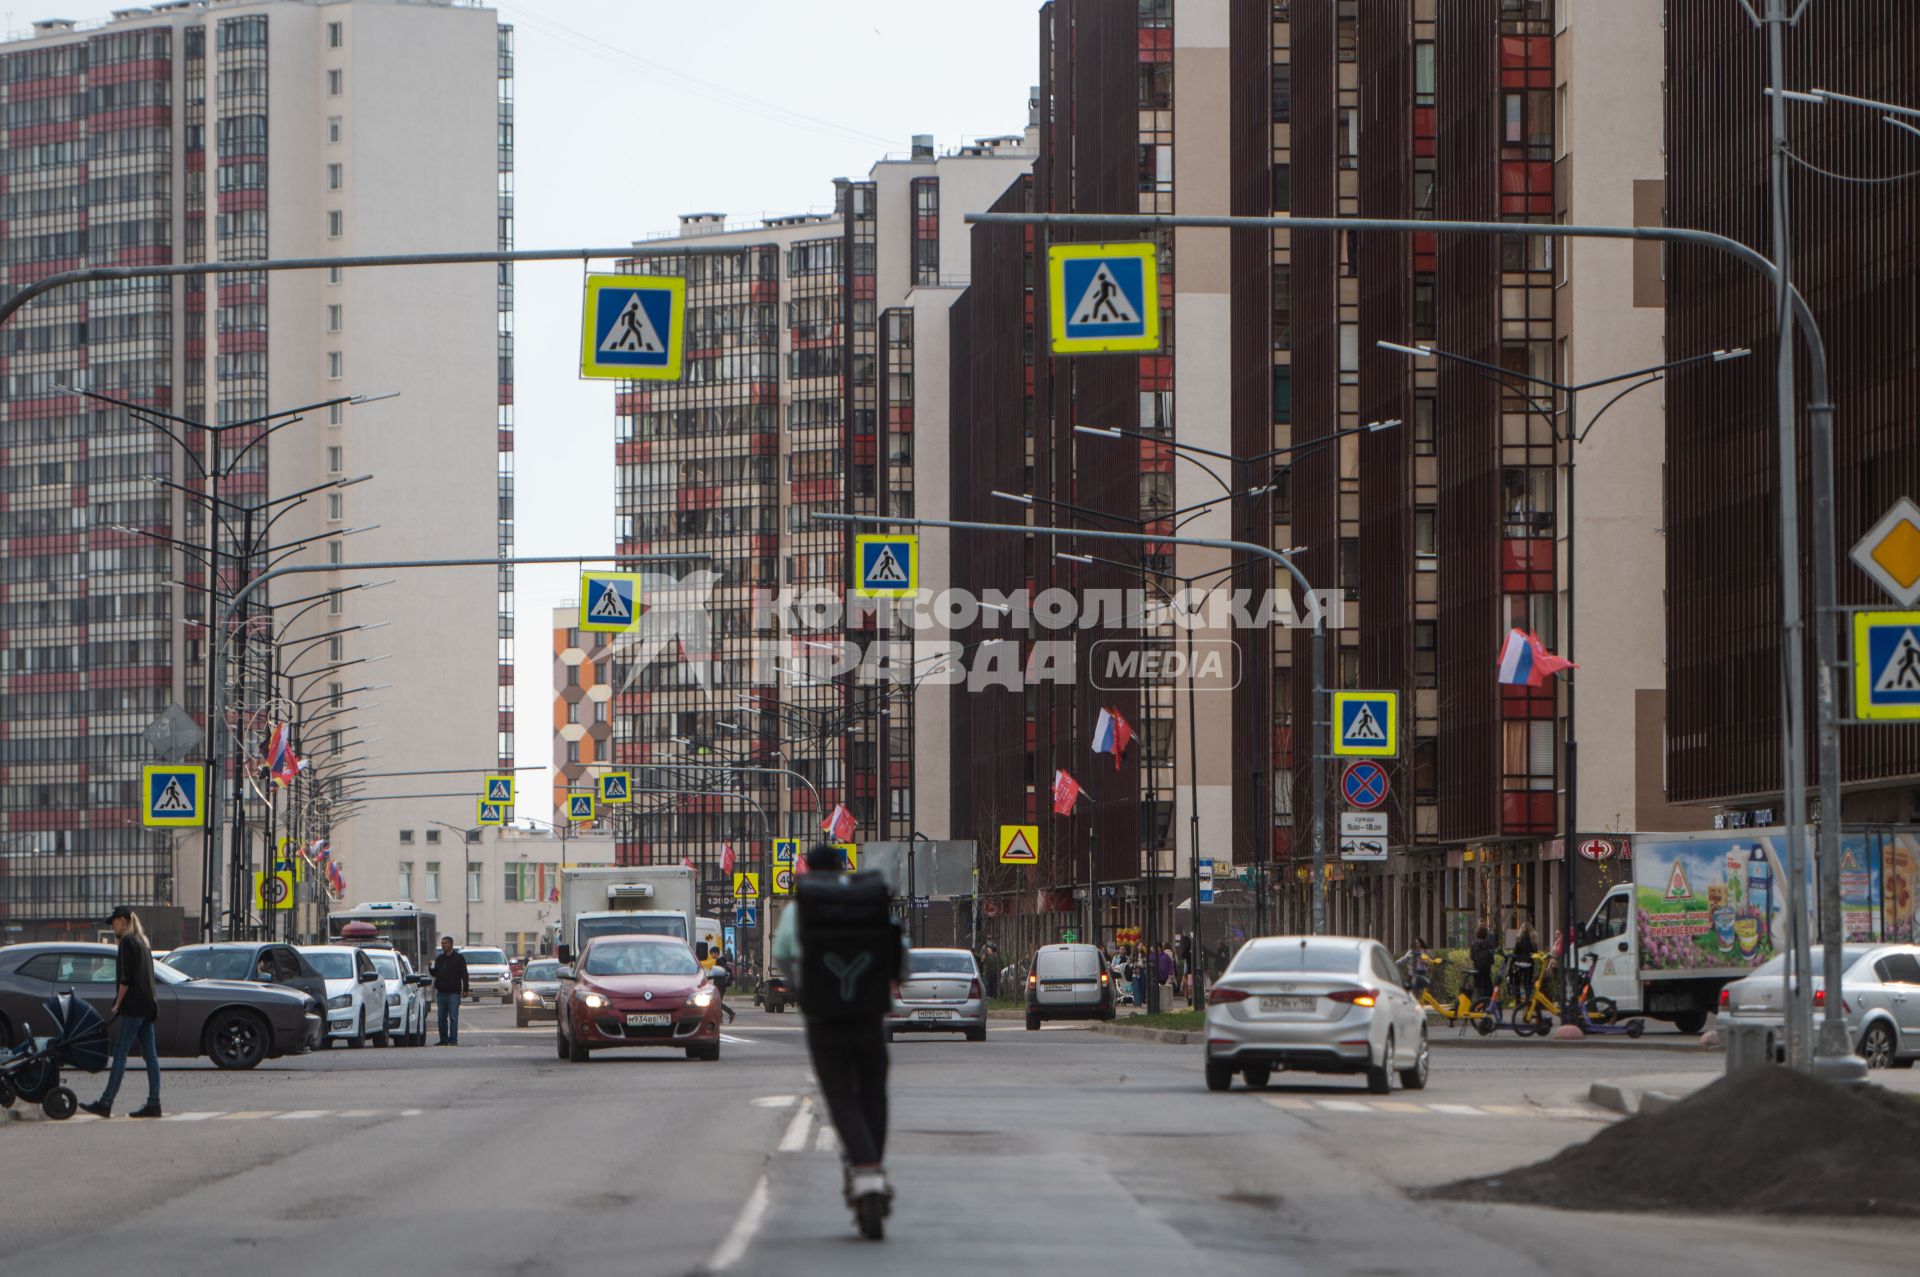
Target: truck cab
(1609,941)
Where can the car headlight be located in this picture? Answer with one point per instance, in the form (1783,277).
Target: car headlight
(393,999)
(528,995)
(340,1002)
(594,1001)
(704,998)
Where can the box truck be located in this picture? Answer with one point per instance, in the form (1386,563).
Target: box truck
(605,900)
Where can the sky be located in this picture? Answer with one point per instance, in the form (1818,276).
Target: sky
(631,112)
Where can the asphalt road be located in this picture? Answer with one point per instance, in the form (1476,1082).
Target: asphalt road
(1059,1152)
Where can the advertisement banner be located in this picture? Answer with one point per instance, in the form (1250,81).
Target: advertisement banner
(1900,866)
(1709,903)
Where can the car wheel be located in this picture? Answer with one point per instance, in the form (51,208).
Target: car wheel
(1414,1077)
(505,998)
(1380,1078)
(359,1038)
(1257,1076)
(385,1037)
(1219,1075)
(236,1040)
(519,1019)
(576,1051)
(1690,1021)
(1877,1047)
(977,1035)
(1033,1020)
(560,1039)
(60,1104)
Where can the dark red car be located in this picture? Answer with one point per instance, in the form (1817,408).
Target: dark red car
(637,990)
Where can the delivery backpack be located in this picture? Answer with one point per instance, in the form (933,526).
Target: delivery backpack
(849,946)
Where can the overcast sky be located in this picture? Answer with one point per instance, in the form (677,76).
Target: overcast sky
(631,112)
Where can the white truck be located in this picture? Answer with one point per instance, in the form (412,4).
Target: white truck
(603,900)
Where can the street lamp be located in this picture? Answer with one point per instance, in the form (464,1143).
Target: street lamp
(467,839)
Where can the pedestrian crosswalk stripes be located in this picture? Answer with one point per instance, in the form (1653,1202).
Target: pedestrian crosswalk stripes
(1300,1104)
(254,1115)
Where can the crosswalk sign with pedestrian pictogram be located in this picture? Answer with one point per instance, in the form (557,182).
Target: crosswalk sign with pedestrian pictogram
(1366,723)
(746,885)
(498,789)
(632,327)
(616,787)
(1019,844)
(786,851)
(1886,665)
(609,602)
(579,807)
(886,566)
(490,813)
(173,795)
(1105,298)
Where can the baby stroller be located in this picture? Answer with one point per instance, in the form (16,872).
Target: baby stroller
(31,1071)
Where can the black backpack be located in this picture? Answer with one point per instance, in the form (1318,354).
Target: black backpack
(849,946)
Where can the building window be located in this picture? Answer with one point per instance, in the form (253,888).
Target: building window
(406,879)
(1282,186)
(334,458)
(1425,538)
(335,36)
(1423,73)
(1283,92)
(336,176)
(474,869)
(433,836)
(433,880)
(926,230)
(336,510)
(333,277)
(336,223)
(406,837)
(335,82)
(333,364)
(334,314)
(473,835)
(337,553)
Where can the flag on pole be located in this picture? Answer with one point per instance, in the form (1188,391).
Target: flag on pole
(686,862)
(1066,792)
(281,762)
(1526,662)
(726,858)
(1111,735)
(839,823)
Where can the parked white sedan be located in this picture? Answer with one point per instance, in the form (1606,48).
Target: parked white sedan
(356,995)
(1316,1004)
(407,997)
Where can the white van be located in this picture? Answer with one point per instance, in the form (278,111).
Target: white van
(1068,982)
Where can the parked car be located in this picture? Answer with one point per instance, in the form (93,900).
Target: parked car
(1316,1004)
(537,992)
(265,962)
(775,993)
(234,1023)
(407,996)
(1880,1000)
(941,993)
(637,990)
(488,973)
(356,996)
(1068,982)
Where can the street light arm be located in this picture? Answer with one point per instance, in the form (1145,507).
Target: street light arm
(233,463)
(1179,448)
(1657,370)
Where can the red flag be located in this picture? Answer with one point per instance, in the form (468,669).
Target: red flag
(726,858)
(1545,663)
(1066,792)
(839,823)
(686,862)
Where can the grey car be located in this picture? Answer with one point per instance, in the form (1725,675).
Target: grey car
(941,993)
(263,962)
(536,993)
(234,1023)
(1881,1005)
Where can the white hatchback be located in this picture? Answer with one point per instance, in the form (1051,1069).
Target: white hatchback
(356,995)
(1316,1004)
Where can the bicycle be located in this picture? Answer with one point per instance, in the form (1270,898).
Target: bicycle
(1537,1014)
(1464,1011)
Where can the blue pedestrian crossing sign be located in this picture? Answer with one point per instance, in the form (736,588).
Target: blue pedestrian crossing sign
(172,796)
(632,327)
(616,787)
(488,812)
(579,807)
(886,566)
(1367,724)
(497,789)
(786,851)
(1105,298)
(745,914)
(1886,665)
(609,602)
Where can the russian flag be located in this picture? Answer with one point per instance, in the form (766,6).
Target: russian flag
(1111,735)
(839,823)
(1526,662)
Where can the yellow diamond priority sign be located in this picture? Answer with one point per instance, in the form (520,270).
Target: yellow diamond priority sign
(1890,552)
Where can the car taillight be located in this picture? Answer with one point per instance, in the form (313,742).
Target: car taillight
(1219,995)
(1358,997)
(1033,978)
(1106,977)
(1726,997)
(975,991)
(1820,1000)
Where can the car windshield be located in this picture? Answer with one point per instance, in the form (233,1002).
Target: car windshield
(548,970)
(211,964)
(1309,955)
(334,966)
(387,964)
(1775,967)
(924,963)
(641,958)
(485,957)
(167,975)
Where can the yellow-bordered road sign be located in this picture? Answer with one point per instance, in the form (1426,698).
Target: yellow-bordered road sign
(746,885)
(616,787)
(1103,298)
(490,813)
(886,565)
(783,880)
(1366,723)
(498,789)
(579,807)
(1019,844)
(609,602)
(786,851)
(173,795)
(632,327)
(1886,665)
(272,890)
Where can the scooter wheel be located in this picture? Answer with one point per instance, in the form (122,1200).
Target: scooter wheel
(1483,1025)
(1636,1028)
(870,1212)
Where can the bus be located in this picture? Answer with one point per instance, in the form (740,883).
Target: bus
(403,924)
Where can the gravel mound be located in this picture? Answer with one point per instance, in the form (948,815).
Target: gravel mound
(1768,1142)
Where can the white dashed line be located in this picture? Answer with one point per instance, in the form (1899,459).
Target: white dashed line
(299,1115)
(733,1247)
(774,1101)
(191,1117)
(828,1141)
(799,1128)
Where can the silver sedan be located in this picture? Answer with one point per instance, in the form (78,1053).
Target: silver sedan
(941,993)
(1317,1004)
(1881,1002)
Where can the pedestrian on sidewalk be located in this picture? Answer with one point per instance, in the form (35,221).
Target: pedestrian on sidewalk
(134,1004)
(1163,966)
(1481,952)
(449,986)
(991,965)
(847,954)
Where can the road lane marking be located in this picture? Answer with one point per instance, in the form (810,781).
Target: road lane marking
(1347,1106)
(411,1112)
(774,1101)
(733,1247)
(728,1037)
(247,1113)
(1282,1103)
(1458,1110)
(828,1141)
(1508,1110)
(192,1117)
(300,1115)
(799,1128)
(1397,1106)
(360,1113)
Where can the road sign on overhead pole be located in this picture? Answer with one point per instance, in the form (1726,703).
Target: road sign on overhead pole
(1886,665)
(632,327)
(1890,552)
(490,813)
(616,787)
(173,796)
(1104,298)
(498,789)
(609,602)
(886,566)
(1364,785)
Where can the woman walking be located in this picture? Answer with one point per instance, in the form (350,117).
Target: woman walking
(133,1003)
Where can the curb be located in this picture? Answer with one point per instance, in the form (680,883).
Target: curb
(1167,1037)
(1687,1046)
(1620,1099)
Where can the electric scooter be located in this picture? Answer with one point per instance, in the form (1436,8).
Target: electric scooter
(1579,1016)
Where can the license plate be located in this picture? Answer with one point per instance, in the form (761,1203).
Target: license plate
(1057,986)
(650,1020)
(932,1015)
(1286,1004)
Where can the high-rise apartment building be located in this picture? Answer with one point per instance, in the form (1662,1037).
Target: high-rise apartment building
(217,130)
(582,708)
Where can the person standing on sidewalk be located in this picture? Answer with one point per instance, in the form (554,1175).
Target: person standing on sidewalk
(133,1002)
(449,986)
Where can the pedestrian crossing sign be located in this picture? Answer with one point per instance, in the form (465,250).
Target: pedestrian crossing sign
(1019,844)
(173,795)
(1886,665)
(786,851)
(616,787)
(580,808)
(490,813)
(609,602)
(746,886)
(886,566)
(1105,297)
(632,327)
(498,789)
(1366,723)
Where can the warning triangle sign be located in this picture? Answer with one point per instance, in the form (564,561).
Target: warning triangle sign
(1019,845)
(1020,849)
(610,606)
(1902,670)
(1678,888)
(1104,301)
(173,800)
(1365,726)
(886,568)
(632,332)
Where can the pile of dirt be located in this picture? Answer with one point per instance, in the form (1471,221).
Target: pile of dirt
(1766,1142)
